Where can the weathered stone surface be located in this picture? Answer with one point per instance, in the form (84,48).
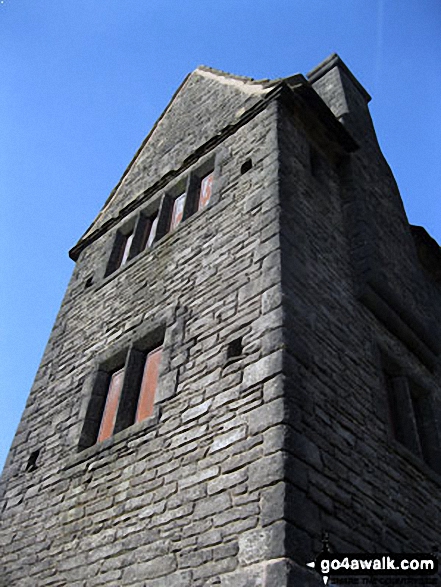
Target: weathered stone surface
(243,578)
(225,440)
(275,302)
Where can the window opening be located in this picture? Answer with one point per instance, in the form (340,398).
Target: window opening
(178,211)
(400,412)
(411,418)
(111,406)
(426,427)
(151,232)
(126,249)
(120,251)
(148,385)
(148,233)
(205,191)
(122,397)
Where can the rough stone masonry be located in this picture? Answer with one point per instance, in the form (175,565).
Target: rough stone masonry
(257,246)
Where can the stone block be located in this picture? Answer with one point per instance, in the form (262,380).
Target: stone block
(222,441)
(243,578)
(261,544)
(263,369)
(266,471)
(142,571)
(211,506)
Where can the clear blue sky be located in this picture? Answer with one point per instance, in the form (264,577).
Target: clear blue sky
(83,81)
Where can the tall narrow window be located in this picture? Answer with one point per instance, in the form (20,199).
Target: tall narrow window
(142,236)
(121,397)
(126,249)
(121,251)
(426,426)
(150,236)
(148,385)
(111,406)
(411,417)
(401,414)
(178,211)
(145,233)
(205,191)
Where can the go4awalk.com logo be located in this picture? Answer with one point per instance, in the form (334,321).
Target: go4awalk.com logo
(374,566)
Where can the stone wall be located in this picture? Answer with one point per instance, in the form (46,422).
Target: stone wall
(271,422)
(181,498)
(348,476)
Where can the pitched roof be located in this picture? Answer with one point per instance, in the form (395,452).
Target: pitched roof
(206,105)
(205,102)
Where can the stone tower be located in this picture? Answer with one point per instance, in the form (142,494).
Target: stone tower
(246,357)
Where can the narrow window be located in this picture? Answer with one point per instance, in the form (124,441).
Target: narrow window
(177,211)
(121,397)
(150,236)
(125,251)
(111,406)
(148,384)
(411,416)
(143,235)
(120,254)
(426,427)
(205,191)
(401,414)
(146,229)
(148,232)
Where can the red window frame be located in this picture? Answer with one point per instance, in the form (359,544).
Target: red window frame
(205,190)
(178,211)
(111,407)
(145,394)
(149,383)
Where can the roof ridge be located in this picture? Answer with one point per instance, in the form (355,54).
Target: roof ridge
(242,78)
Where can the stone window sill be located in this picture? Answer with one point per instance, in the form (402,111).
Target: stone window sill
(101,452)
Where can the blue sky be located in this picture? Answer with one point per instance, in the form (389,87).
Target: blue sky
(82,82)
